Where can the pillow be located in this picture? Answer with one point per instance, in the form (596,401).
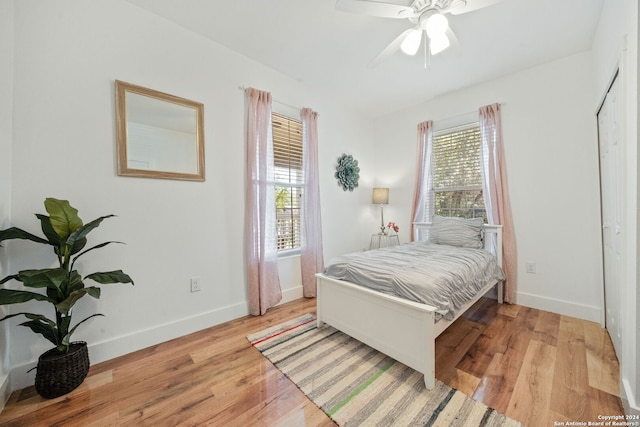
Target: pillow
(462,232)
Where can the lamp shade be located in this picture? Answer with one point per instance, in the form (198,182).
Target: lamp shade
(436,25)
(439,43)
(380,196)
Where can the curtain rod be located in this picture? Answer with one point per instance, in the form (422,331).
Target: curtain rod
(476,111)
(245,88)
(453,119)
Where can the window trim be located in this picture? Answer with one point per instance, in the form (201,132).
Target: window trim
(456,128)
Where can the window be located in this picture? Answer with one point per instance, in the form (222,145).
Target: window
(457,179)
(287,157)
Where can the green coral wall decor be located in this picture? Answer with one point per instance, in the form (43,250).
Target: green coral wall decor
(347,172)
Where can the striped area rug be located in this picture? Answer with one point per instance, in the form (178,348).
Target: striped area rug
(356,385)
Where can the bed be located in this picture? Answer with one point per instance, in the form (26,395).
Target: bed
(398,327)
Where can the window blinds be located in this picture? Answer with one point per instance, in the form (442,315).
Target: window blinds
(287,154)
(287,148)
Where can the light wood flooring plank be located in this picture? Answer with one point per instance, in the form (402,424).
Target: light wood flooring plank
(496,353)
(570,386)
(532,393)
(546,329)
(510,310)
(481,353)
(502,373)
(602,362)
(462,381)
(454,344)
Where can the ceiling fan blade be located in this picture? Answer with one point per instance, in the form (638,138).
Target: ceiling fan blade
(374,8)
(392,48)
(471,5)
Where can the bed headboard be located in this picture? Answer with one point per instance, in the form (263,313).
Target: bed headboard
(492,237)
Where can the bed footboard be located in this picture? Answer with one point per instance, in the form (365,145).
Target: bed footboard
(401,329)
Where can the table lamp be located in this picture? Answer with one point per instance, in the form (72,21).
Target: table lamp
(381,197)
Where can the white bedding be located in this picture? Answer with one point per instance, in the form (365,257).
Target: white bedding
(438,275)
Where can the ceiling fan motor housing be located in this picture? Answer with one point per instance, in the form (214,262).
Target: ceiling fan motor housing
(440,6)
(424,9)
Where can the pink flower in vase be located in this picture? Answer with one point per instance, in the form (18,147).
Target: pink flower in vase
(393,226)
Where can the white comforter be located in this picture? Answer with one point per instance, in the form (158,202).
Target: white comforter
(442,276)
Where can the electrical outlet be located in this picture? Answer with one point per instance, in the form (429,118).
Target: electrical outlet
(195,284)
(531,267)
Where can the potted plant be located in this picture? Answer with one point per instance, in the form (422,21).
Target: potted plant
(65,366)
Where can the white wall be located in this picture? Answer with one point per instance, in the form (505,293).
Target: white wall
(67,56)
(6,102)
(550,146)
(61,104)
(616,46)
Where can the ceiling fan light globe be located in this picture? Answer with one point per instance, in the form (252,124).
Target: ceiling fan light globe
(436,25)
(439,43)
(411,43)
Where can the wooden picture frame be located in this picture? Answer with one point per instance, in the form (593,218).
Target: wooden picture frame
(158,135)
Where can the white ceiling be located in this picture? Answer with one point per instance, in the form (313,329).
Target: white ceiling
(330,50)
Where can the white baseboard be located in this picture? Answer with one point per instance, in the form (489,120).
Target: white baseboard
(630,404)
(292,294)
(135,341)
(125,344)
(566,308)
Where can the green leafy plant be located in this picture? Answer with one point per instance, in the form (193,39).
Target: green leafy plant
(63,286)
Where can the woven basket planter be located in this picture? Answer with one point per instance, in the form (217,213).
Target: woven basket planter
(58,373)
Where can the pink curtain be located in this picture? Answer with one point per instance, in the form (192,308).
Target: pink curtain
(422,208)
(311,250)
(260,209)
(496,192)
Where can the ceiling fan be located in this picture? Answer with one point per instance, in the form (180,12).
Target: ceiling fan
(427,17)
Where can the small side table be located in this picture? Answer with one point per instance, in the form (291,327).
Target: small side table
(383,240)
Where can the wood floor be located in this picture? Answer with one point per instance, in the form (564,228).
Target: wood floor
(534,366)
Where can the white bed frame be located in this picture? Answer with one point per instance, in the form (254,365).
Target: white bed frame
(402,329)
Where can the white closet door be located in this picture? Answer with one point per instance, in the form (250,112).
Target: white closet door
(611,169)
